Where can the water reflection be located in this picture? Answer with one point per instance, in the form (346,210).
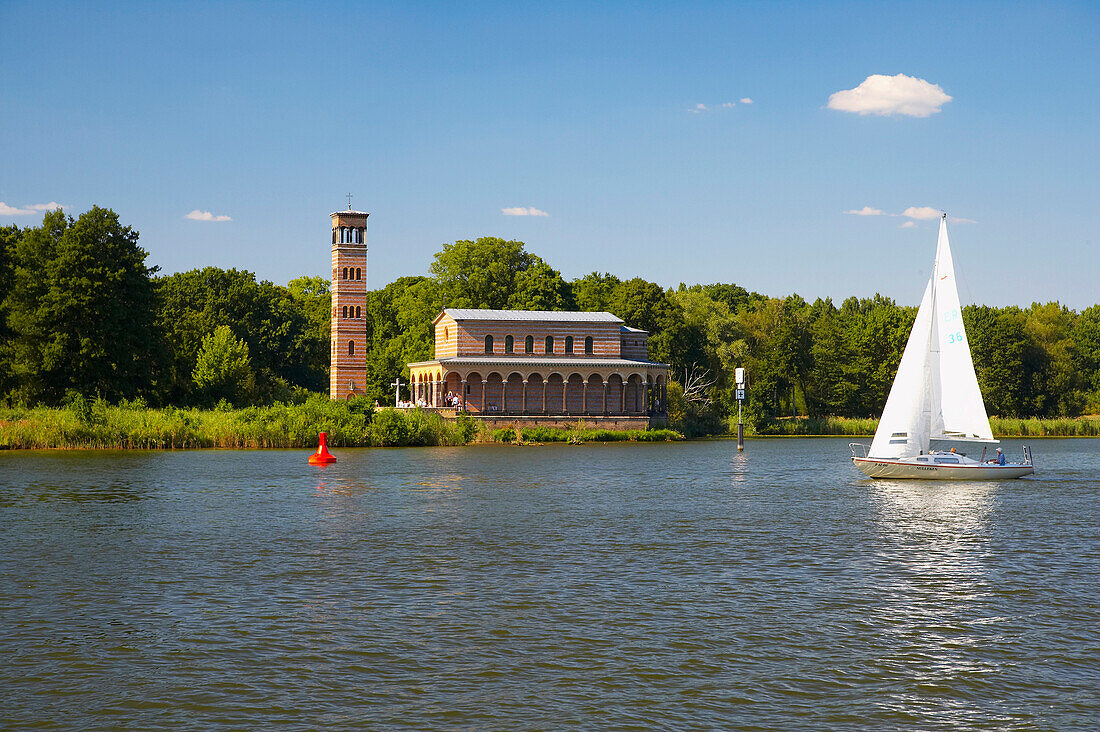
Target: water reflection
(932,566)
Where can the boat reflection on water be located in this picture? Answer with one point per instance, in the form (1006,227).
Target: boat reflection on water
(934,592)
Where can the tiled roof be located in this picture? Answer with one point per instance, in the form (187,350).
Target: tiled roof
(551,362)
(563,316)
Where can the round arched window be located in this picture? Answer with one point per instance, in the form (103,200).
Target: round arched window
(488,344)
(509,344)
(588,345)
(529,344)
(569,344)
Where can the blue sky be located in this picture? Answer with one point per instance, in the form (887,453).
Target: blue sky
(440,116)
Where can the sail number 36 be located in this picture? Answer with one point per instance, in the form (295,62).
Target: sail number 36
(949,317)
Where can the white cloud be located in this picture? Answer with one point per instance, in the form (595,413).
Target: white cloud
(729,105)
(198,215)
(6,210)
(867,211)
(922,213)
(522,211)
(886,95)
(960,220)
(908,225)
(699,109)
(746,100)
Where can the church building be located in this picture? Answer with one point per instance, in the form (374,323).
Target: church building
(541,363)
(536,367)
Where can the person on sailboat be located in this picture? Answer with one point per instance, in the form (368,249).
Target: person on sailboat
(1000,456)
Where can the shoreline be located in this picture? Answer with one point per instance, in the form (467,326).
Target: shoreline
(98,425)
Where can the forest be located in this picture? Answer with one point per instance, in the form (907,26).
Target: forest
(83,316)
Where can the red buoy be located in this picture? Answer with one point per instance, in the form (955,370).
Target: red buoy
(322,456)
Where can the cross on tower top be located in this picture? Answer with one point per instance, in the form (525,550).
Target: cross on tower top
(349,202)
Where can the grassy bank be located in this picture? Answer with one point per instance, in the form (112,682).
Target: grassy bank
(1001,426)
(578,435)
(349,424)
(97,424)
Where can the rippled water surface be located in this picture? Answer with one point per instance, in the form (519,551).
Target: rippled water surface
(621,586)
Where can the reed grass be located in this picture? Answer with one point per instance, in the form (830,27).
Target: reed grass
(579,435)
(348,424)
(856,427)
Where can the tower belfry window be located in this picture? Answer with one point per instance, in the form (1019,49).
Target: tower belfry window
(358,273)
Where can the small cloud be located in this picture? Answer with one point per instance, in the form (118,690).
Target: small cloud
(960,220)
(746,100)
(908,225)
(522,211)
(886,95)
(6,210)
(867,211)
(198,215)
(729,105)
(922,213)
(699,109)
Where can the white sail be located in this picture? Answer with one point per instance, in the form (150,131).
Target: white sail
(935,394)
(961,414)
(905,426)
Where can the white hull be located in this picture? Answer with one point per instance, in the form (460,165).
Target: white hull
(908,469)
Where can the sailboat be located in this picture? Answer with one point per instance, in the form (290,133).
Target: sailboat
(935,396)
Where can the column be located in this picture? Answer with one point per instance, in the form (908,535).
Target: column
(606,389)
(664,397)
(503,396)
(463,395)
(584,397)
(564,391)
(483,390)
(544,395)
(622,385)
(525,396)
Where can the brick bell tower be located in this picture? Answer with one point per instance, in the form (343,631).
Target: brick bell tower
(348,347)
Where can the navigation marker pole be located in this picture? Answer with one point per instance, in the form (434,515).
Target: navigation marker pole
(739,377)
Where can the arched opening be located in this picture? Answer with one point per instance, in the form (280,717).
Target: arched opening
(549,344)
(555,390)
(475,389)
(536,394)
(509,344)
(494,394)
(574,394)
(594,395)
(569,344)
(446,334)
(344,312)
(351,348)
(513,394)
(529,344)
(615,402)
(635,394)
(357,312)
(588,345)
(358,273)
(345,273)
(488,344)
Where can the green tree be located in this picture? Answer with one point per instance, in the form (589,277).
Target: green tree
(595,292)
(286,347)
(497,274)
(223,369)
(81,309)
(9,238)
(1086,339)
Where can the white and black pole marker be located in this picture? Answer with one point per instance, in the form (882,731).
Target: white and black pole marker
(739,377)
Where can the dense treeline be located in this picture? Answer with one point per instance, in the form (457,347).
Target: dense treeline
(84,316)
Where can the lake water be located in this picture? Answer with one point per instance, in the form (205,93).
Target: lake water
(667,586)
